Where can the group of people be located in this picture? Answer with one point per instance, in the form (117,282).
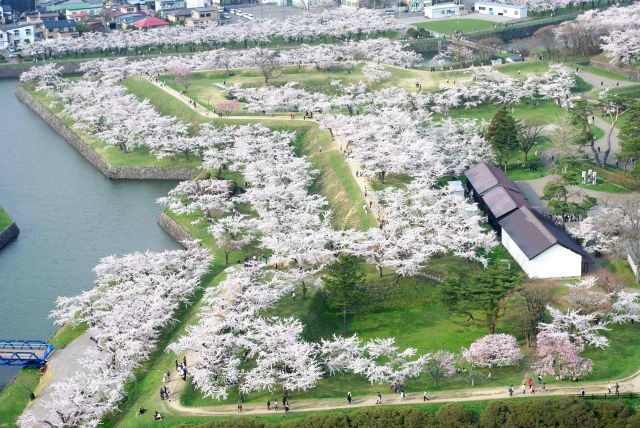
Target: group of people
(285,405)
(529,384)
(181,368)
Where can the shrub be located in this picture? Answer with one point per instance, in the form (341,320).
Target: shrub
(454,416)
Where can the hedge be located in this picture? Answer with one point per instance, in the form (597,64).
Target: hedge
(567,412)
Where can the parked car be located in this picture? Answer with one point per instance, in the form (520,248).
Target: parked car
(226,16)
(391,12)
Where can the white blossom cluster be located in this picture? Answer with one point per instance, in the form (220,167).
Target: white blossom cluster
(342,23)
(617,27)
(134,299)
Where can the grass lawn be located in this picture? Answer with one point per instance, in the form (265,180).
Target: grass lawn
(15,396)
(621,272)
(521,70)
(450,26)
(547,112)
(5,220)
(628,91)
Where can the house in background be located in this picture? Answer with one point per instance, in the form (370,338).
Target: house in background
(62,28)
(501,9)
(442,10)
(149,22)
(538,245)
(42,16)
(179,16)
(17,35)
(203,17)
(541,248)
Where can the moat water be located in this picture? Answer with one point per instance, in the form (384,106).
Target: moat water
(69,217)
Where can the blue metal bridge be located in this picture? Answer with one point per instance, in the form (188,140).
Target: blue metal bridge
(24,352)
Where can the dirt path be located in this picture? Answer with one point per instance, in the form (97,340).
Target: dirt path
(630,384)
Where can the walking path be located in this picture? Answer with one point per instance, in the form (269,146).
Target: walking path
(534,189)
(63,364)
(602,82)
(630,384)
(362,181)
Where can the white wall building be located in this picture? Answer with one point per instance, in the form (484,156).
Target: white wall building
(17,35)
(541,248)
(443,10)
(501,9)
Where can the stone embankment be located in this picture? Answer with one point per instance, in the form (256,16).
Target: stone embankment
(176,231)
(90,154)
(8,235)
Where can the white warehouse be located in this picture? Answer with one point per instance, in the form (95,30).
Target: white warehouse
(501,9)
(443,10)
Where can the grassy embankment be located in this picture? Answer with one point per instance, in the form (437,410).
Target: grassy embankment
(5,220)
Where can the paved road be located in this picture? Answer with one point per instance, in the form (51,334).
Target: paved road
(602,82)
(63,365)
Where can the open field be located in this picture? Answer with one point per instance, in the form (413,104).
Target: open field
(450,26)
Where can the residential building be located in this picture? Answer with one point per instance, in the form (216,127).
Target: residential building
(81,8)
(61,28)
(179,15)
(17,35)
(6,13)
(128,8)
(538,245)
(501,9)
(42,16)
(149,22)
(203,17)
(124,21)
(167,6)
(443,10)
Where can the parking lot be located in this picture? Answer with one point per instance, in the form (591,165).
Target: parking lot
(260,11)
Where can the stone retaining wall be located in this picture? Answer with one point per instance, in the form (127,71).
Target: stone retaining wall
(89,153)
(629,74)
(9,234)
(176,231)
(12,71)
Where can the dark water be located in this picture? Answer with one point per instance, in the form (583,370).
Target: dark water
(69,217)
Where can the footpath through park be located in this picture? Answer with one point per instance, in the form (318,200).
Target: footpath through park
(627,385)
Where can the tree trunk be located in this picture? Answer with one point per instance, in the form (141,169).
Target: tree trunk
(344,319)
(226,258)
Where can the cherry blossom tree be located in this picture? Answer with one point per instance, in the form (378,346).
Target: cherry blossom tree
(441,365)
(559,356)
(576,326)
(375,73)
(493,350)
(206,196)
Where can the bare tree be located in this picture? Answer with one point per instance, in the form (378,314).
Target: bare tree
(546,38)
(269,63)
(534,302)
(529,135)
(487,47)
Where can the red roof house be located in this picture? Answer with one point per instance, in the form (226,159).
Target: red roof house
(150,22)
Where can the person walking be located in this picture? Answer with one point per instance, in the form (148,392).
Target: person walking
(582,392)
(239,408)
(349,398)
(268,404)
(184,361)
(539,379)
(402,396)
(286,408)
(379,398)
(617,388)
(425,397)
(275,405)
(609,387)
(544,388)
(524,389)
(164,378)
(511,391)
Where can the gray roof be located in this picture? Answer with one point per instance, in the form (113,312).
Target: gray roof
(534,233)
(205,9)
(484,177)
(180,12)
(61,23)
(7,27)
(503,200)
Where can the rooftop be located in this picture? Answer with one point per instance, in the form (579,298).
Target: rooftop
(503,200)
(149,22)
(484,177)
(533,233)
(61,23)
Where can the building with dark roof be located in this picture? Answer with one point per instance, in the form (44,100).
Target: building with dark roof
(538,245)
(59,29)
